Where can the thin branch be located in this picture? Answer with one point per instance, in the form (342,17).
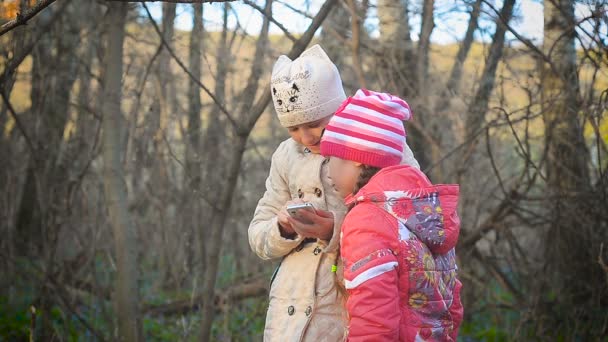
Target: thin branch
(243,290)
(22,18)
(11,65)
(500,276)
(272,19)
(177,1)
(186,70)
(20,126)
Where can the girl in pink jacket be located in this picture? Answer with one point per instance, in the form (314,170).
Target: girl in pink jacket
(398,238)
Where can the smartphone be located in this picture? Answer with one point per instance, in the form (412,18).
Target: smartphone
(295,211)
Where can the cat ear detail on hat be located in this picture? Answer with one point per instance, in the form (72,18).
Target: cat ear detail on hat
(280,63)
(316,51)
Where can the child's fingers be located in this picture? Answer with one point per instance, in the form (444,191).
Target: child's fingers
(295,224)
(324,213)
(307,214)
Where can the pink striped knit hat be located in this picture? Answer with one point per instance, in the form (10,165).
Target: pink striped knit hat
(368,128)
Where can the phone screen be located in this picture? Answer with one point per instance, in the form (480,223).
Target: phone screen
(296,213)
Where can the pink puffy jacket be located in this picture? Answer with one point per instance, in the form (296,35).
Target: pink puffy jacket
(399,259)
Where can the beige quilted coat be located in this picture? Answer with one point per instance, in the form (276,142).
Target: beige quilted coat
(305,304)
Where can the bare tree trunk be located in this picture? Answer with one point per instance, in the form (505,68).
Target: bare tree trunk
(53,76)
(476,112)
(570,251)
(395,27)
(449,132)
(401,66)
(215,183)
(126,295)
(424,45)
(453,83)
(334,28)
(355,40)
(160,170)
(193,189)
(423,140)
(396,46)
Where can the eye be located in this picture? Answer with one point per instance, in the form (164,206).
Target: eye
(293,98)
(280,102)
(292,129)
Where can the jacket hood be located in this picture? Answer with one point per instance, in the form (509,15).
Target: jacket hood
(428,211)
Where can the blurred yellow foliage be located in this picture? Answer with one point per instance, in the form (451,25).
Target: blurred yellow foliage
(10,8)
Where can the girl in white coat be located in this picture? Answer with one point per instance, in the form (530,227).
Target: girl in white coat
(305,304)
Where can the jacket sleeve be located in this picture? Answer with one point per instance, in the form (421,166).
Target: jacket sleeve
(456,311)
(370,275)
(264,236)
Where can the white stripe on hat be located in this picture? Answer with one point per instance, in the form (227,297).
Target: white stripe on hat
(354,109)
(370,145)
(385,100)
(363,126)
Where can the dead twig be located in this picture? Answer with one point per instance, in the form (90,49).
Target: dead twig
(22,18)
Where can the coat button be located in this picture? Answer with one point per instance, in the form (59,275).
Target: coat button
(308,311)
(291,310)
(318,192)
(317,250)
(300,247)
(300,193)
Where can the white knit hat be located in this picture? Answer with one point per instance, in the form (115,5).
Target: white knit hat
(306,89)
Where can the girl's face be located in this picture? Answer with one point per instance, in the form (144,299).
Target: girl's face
(309,134)
(344,174)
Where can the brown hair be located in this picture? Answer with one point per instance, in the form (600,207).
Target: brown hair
(367,172)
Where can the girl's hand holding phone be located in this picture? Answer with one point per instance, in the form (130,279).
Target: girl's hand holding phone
(285,227)
(318,224)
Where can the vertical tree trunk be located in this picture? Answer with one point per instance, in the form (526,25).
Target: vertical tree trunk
(394,24)
(441,109)
(356,23)
(165,88)
(126,295)
(215,183)
(477,110)
(453,83)
(428,151)
(569,255)
(193,189)
(336,25)
(399,55)
(396,45)
(424,45)
(53,76)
